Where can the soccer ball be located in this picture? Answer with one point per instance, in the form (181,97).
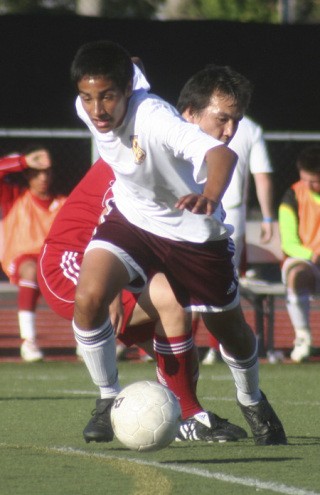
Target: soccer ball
(146,416)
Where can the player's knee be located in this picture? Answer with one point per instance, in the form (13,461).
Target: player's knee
(89,300)
(299,277)
(28,271)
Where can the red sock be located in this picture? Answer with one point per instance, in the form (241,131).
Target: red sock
(213,343)
(175,369)
(27,296)
(195,372)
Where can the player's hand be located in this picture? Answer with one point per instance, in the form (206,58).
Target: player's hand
(39,160)
(116,314)
(315,259)
(266,232)
(196,203)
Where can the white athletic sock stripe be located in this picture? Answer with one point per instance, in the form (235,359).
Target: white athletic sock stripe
(238,363)
(95,337)
(241,365)
(28,283)
(177,348)
(160,377)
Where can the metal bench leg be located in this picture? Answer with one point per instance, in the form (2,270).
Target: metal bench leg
(270,322)
(259,323)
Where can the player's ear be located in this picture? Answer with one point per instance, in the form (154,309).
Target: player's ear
(188,115)
(128,91)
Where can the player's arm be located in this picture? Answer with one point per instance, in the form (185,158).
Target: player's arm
(39,159)
(12,163)
(220,162)
(264,190)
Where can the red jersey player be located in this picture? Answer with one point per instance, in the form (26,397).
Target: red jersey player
(28,210)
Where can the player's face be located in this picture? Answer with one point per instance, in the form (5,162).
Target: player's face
(312,181)
(39,181)
(220,118)
(104,102)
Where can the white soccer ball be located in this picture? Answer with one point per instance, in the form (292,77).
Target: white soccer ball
(146,416)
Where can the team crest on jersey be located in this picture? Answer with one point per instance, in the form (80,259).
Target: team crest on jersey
(139,153)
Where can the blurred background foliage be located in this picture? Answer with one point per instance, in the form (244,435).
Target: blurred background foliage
(266,11)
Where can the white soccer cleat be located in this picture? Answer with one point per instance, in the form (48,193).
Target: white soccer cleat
(30,352)
(121,351)
(211,357)
(302,346)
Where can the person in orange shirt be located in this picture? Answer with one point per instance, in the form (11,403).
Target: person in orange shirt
(28,210)
(299,221)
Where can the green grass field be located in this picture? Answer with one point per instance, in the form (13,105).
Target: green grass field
(44,407)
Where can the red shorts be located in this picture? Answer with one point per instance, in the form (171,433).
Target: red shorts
(202,275)
(58,272)
(15,265)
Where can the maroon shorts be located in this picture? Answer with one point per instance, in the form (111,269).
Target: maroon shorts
(202,275)
(58,272)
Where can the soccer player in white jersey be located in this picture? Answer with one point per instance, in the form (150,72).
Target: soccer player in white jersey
(246,139)
(253,158)
(168,217)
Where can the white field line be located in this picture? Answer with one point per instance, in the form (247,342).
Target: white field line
(203,473)
(213,398)
(272,486)
(313,403)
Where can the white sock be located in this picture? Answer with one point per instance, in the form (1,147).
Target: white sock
(246,376)
(27,325)
(298,307)
(304,335)
(98,348)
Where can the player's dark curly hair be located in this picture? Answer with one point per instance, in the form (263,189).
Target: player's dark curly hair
(197,91)
(103,58)
(309,159)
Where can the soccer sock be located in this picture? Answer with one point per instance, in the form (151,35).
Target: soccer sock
(175,369)
(98,348)
(28,295)
(246,376)
(298,306)
(196,372)
(27,325)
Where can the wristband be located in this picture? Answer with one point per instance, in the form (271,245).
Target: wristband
(268,220)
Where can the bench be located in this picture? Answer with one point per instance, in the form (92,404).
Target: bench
(264,285)
(7,290)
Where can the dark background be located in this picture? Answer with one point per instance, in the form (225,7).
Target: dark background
(282,61)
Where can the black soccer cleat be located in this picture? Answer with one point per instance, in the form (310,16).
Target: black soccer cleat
(265,425)
(209,427)
(99,428)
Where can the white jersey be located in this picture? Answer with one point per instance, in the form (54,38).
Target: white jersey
(157,157)
(253,158)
